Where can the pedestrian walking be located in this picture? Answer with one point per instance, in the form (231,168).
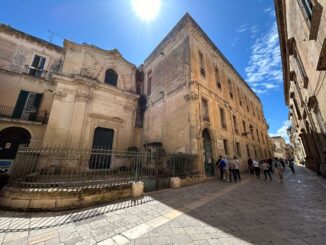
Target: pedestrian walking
(217,164)
(221,165)
(226,169)
(256,168)
(236,168)
(270,163)
(279,170)
(231,170)
(266,169)
(250,166)
(291,165)
(283,164)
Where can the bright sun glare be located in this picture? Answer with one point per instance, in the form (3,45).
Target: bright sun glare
(146,9)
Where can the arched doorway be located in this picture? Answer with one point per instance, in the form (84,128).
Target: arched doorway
(10,139)
(208,153)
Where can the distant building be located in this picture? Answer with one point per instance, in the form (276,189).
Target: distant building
(302,31)
(185,98)
(297,147)
(279,147)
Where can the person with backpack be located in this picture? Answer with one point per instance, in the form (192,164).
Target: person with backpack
(291,165)
(221,165)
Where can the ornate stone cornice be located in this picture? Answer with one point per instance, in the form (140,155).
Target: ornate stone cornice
(191,97)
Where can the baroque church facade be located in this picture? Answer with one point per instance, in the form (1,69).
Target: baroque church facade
(185,98)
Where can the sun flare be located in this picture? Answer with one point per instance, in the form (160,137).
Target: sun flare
(146,9)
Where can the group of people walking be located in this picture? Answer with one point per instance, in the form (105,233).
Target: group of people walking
(269,166)
(229,168)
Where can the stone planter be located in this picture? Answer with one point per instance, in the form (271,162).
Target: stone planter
(137,189)
(175,182)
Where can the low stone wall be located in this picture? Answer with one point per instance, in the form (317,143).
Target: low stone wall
(192,180)
(50,199)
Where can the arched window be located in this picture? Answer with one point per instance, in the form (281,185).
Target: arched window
(111,77)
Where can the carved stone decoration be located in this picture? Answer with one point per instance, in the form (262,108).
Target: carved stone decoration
(60,94)
(83,95)
(191,97)
(128,109)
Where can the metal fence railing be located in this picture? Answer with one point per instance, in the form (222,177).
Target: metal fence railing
(35,116)
(63,167)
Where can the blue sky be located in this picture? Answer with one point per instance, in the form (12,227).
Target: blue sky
(245,32)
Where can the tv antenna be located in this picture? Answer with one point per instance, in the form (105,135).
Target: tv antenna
(52,34)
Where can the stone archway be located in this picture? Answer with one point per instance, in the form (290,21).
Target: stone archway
(208,153)
(10,139)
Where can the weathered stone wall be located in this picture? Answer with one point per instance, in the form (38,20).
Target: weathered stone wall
(249,110)
(307,100)
(83,101)
(166,118)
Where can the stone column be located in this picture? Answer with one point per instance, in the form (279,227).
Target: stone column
(82,100)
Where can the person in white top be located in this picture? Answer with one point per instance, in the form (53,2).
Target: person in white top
(256,168)
(236,168)
(226,168)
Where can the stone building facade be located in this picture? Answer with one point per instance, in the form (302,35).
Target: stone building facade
(302,30)
(279,147)
(185,98)
(297,146)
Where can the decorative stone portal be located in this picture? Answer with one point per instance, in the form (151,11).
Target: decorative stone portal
(208,153)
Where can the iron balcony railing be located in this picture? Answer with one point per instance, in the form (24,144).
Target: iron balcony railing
(70,168)
(36,72)
(35,116)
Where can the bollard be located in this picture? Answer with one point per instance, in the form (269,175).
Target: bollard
(175,182)
(137,189)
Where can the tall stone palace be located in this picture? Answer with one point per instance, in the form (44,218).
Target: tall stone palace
(185,98)
(302,31)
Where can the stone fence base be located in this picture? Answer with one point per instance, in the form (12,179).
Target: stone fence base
(55,199)
(52,199)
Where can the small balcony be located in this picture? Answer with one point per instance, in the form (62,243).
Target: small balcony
(13,113)
(36,72)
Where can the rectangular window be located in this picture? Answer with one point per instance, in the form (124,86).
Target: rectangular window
(223,120)
(37,66)
(27,105)
(149,83)
(230,88)
(244,128)
(217,78)
(205,109)
(238,149)
(225,145)
(255,151)
(202,64)
(235,124)
(262,137)
(312,13)
(248,150)
(257,135)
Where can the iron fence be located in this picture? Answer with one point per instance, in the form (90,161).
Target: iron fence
(70,168)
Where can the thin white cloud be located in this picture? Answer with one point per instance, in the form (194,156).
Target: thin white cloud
(282,131)
(264,67)
(270,11)
(242,28)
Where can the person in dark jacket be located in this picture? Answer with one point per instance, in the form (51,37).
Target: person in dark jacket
(221,165)
(250,166)
(291,165)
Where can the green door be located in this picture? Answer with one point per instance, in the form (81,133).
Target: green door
(208,154)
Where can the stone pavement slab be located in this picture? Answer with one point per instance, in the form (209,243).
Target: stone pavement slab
(252,211)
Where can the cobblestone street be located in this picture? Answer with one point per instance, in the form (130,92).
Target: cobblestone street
(249,212)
